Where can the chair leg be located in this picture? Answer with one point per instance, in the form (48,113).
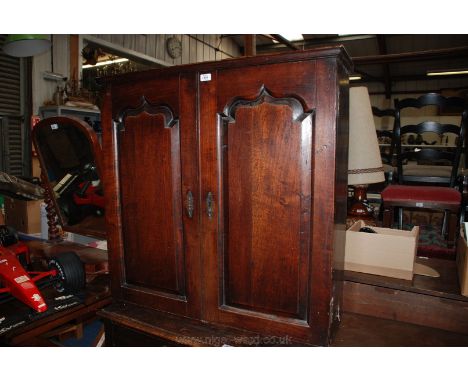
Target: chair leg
(400,218)
(452,229)
(444,224)
(387,217)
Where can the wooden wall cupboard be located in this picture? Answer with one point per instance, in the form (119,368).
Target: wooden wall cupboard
(226,197)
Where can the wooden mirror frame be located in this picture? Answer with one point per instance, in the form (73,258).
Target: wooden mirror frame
(94,225)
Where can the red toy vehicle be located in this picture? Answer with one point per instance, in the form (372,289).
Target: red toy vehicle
(90,195)
(81,195)
(66,272)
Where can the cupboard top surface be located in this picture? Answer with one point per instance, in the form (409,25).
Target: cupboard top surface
(336,51)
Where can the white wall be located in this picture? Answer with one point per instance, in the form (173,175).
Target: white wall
(43,90)
(195,48)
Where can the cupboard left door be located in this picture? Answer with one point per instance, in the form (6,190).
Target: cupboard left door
(152,211)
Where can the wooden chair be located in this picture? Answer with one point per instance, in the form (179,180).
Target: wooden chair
(434,189)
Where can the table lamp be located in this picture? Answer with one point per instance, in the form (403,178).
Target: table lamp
(364,161)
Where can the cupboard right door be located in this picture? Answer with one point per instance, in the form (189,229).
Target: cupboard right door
(258,148)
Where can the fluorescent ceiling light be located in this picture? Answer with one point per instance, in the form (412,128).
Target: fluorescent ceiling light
(102,63)
(447,72)
(354,77)
(275,41)
(292,36)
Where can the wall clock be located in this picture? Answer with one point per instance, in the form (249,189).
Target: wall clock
(174,47)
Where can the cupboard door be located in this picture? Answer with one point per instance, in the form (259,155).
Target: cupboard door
(258,163)
(266,193)
(155,145)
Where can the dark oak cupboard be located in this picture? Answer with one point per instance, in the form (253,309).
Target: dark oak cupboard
(226,198)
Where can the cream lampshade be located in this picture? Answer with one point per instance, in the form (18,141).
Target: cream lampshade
(364,161)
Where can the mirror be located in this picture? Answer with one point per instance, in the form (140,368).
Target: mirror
(69,153)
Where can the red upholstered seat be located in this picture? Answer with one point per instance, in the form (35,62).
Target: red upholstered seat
(402,193)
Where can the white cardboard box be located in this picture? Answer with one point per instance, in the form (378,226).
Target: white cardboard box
(389,252)
(462,263)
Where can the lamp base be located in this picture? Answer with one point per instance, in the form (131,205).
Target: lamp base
(359,208)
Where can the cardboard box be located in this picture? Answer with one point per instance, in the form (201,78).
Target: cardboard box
(24,216)
(462,263)
(389,252)
(36,167)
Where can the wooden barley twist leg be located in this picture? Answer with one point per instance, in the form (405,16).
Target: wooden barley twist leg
(53,233)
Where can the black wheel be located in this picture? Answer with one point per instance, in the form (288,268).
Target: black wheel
(71,274)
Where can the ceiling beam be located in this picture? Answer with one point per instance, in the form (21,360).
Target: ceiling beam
(309,43)
(420,91)
(366,77)
(338,38)
(435,54)
(408,77)
(382,43)
(457,52)
(250,45)
(75,58)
